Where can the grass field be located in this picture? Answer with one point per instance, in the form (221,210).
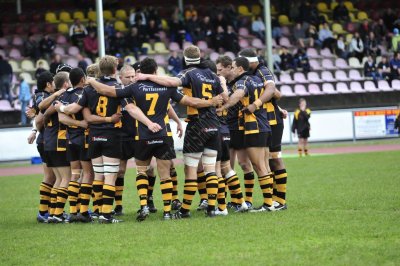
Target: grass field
(342,210)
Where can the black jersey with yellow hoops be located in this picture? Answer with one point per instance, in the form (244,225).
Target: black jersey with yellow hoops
(55,135)
(258,121)
(102,105)
(75,135)
(128,129)
(274,115)
(234,116)
(37,99)
(200,83)
(153,100)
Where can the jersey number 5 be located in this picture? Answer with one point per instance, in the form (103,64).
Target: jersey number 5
(206,91)
(153,97)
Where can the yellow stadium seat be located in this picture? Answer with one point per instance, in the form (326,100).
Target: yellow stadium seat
(362,15)
(27,65)
(107,15)
(80,15)
(353,18)
(120,26)
(326,18)
(334,4)
(14,65)
(323,7)
(337,28)
(121,14)
(65,17)
(164,24)
(244,10)
(284,20)
(51,17)
(349,6)
(349,37)
(63,28)
(160,48)
(92,15)
(44,63)
(149,48)
(256,10)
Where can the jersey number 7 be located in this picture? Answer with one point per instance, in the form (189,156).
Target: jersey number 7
(153,97)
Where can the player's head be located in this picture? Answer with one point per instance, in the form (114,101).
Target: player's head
(136,66)
(224,66)
(127,74)
(45,82)
(93,70)
(210,65)
(251,56)
(302,103)
(191,55)
(240,65)
(77,77)
(108,65)
(63,68)
(148,66)
(61,80)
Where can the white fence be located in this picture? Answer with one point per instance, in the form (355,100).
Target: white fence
(332,125)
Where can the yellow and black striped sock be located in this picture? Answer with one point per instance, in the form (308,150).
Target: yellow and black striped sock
(98,195)
(201,185)
(221,194)
(108,199)
(280,190)
(119,189)
(249,186)
(73,193)
(53,200)
(174,178)
(212,190)
(305,151)
(273,187)
(150,188)
(142,184)
(62,196)
(44,190)
(233,184)
(189,190)
(84,195)
(166,191)
(266,188)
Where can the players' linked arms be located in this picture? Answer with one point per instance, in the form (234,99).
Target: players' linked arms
(277,94)
(103,89)
(161,80)
(39,121)
(200,103)
(137,113)
(49,111)
(95,119)
(47,102)
(69,109)
(30,112)
(235,98)
(69,121)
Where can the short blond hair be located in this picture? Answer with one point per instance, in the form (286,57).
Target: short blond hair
(126,68)
(60,78)
(108,65)
(93,71)
(192,52)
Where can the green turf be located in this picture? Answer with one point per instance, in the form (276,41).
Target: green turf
(343,210)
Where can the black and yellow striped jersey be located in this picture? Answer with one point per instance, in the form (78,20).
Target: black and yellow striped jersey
(234,116)
(200,83)
(75,135)
(301,121)
(128,129)
(274,115)
(102,105)
(38,97)
(55,134)
(153,99)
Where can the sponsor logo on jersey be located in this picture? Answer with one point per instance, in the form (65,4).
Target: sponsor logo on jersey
(99,139)
(151,142)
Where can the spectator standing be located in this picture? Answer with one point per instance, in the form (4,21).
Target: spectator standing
(31,48)
(357,47)
(91,46)
(258,28)
(152,32)
(77,32)
(370,69)
(395,66)
(174,63)
(6,73)
(384,68)
(276,29)
(340,13)
(24,98)
(301,125)
(396,40)
(47,46)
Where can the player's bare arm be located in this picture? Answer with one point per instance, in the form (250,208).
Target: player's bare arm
(69,109)
(162,80)
(172,115)
(200,103)
(43,105)
(234,99)
(101,88)
(136,113)
(49,111)
(69,121)
(95,119)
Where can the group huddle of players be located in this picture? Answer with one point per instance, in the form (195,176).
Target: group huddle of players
(91,125)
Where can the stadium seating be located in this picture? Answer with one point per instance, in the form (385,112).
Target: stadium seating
(286,79)
(313,89)
(129,59)
(340,75)
(44,64)
(383,85)
(120,26)
(300,90)
(355,86)
(27,78)
(15,54)
(15,66)
(370,86)
(107,15)
(327,76)
(355,75)
(328,64)
(355,63)
(244,11)
(148,47)
(342,87)
(284,20)
(73,50)
(65,17)
(63,28)
(173,46)
(159,47)
(80,15)
(51,17)
(121,14)
(300,78)
(27,65)
(286,91)
(17,41)
(313,77)
(92,15)
(59,50)
(396,84)
(328,88)
(5,105)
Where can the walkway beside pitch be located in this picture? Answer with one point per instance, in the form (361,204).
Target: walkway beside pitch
(37,169)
